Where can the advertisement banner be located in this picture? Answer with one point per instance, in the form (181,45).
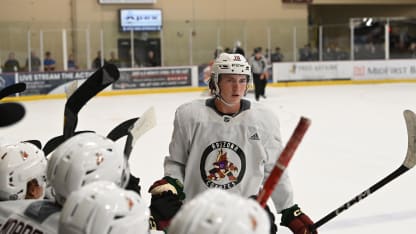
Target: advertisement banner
(304,71)
(47,82)
(154,78)
(6,79)
(391,69)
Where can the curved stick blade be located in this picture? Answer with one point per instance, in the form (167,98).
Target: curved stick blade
(410,160)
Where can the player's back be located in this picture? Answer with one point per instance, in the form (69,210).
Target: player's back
(29,217)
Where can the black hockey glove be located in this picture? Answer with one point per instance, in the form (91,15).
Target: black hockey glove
(167,199)
(297,221)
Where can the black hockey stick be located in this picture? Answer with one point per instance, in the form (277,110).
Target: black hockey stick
(408,163)
(56,141)
(36,143)
(11,113)
(122,129)
(12,89)
(98,81)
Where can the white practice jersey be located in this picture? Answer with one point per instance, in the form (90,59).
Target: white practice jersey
(236,153)
(29,217)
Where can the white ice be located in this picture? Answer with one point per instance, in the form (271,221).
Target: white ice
(358,136)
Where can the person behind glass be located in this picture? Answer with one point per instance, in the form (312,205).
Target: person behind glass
(276,56)
(11,64)
(224,142)
(238,49)
(113,59)
(96,63)
(151,59)
(34,62)
(49,63)
(72,65)
(258,65)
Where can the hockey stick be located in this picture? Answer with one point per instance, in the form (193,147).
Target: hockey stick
(146,122)
(98,81)
(11,113)
(70,88)
(56,141)
(408,163)
(283,161)
(122,129)
(12,89)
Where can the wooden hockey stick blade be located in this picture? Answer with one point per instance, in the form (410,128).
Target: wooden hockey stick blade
(283,161)
(410,159)
(408,163)
(146,122)
(70,88)
(12,89)
(98,81)
(11,113)
(122,129)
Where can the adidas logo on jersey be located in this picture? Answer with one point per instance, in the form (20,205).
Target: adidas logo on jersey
(255,136)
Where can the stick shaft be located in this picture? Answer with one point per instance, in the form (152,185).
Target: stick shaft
(399,171)
(283,161)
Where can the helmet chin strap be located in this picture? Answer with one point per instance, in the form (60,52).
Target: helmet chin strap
(218,96)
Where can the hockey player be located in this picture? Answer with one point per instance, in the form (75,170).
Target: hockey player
(221,212)
(82,159)
(103,207)
(224,142)
(85,158)
(22,171)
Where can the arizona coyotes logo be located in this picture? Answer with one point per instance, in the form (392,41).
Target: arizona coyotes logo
(222,165)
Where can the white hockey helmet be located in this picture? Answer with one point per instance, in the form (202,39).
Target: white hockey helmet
(85,158)
(20,163)
(103,207)
(221,212)
(228,64)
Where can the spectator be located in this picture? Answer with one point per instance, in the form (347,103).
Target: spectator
(96,63)
(151,59)
(237,49)
(11,64)
(49,63)
(34,62)
(307,53)
(276,56)
(72,65)
(113,59)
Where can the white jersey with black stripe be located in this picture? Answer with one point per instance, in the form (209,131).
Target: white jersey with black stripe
(237,153)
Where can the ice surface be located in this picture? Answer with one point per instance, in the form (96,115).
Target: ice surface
(357,136)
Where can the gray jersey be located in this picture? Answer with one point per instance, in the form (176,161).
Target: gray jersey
(29,217)
(236,153)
